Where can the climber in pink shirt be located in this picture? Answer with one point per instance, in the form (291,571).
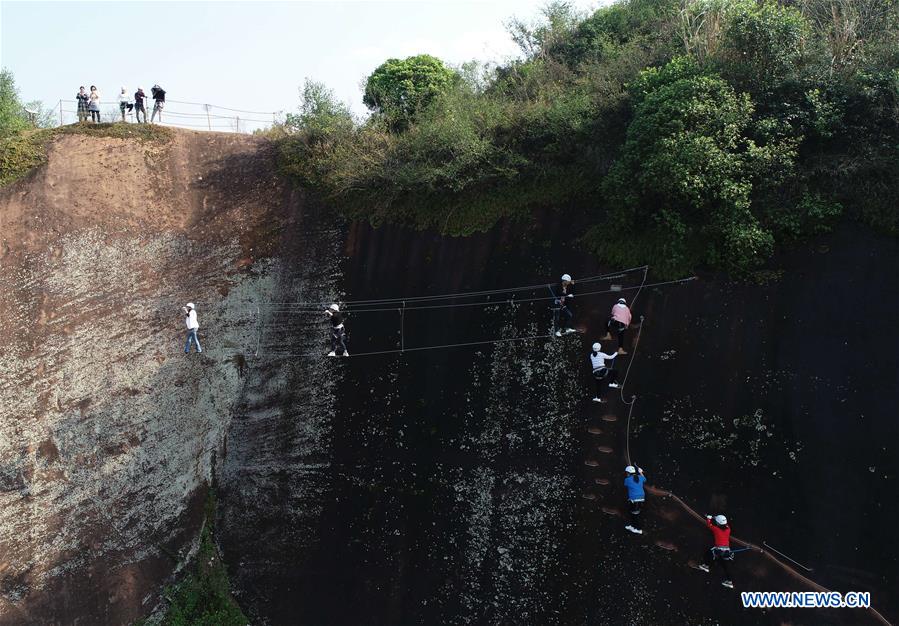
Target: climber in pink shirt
(618,322)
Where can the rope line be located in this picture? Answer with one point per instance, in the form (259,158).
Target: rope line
(628,437)
(631,362)
(808,569)
(507,302)
(459,294)
(755,548)
(415,349)
(112,101)
(645,274)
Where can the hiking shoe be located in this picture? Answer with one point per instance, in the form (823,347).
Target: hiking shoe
(570,330)
(558,333)
(704,568)
(597,399)
(331,353)
(345,353)
(727,584)
(614,385)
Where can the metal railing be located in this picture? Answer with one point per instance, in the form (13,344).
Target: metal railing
(180,114)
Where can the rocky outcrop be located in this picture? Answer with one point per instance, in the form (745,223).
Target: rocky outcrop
(109,433)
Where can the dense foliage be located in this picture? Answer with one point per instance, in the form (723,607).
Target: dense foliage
(675,132)
(203,598)
(400,88)
(15,115)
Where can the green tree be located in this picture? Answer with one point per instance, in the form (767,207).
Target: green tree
(762,45)
(400,88)
(12,117)
(321,114)
(680,192)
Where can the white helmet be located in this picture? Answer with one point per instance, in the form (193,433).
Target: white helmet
(622,301)
(334,307)
(566,277)
(189,305)
(597,347)
(721,520)
(630,469)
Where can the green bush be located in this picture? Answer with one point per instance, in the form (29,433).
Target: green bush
(203,597)
(22,152)
(684,180)
(401,88)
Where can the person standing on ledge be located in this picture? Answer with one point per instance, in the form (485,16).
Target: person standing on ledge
(618,322)
(158,94)
(564,309)
(83,104)
(139,107)
(633,482)
(720,552)
(338,333)
(125,105)
(603,375)
(190,319)
(94,106)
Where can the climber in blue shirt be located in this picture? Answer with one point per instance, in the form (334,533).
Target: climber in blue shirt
(633,482)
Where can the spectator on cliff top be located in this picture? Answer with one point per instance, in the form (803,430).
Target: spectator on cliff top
(338,332)
(139,97)
(720,552)
(604,376)
(125,105)
(158,94)
(563,311)
(94,105)
(618,322)
(633,482)
(83,103)
(190,319)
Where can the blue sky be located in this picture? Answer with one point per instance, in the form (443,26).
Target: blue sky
(245,55)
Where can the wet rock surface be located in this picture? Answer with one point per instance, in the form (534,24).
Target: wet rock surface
(463,485)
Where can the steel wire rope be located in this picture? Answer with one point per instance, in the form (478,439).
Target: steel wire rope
(216,106)
(414,349)
(200,104)
(458,294)
(162,123)
(506,302)
(767,554)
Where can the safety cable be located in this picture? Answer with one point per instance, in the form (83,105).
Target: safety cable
(508,301)
(415,349)
(458,294)
(755,548)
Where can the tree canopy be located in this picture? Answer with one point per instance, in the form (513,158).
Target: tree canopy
(400,88)
(681,133)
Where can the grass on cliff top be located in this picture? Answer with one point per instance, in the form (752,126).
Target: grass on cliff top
(22,152)
(203,597)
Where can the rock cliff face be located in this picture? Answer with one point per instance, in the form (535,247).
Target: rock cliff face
(109,433)
(472,485)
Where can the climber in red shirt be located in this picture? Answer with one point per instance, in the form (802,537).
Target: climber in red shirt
(720,552)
